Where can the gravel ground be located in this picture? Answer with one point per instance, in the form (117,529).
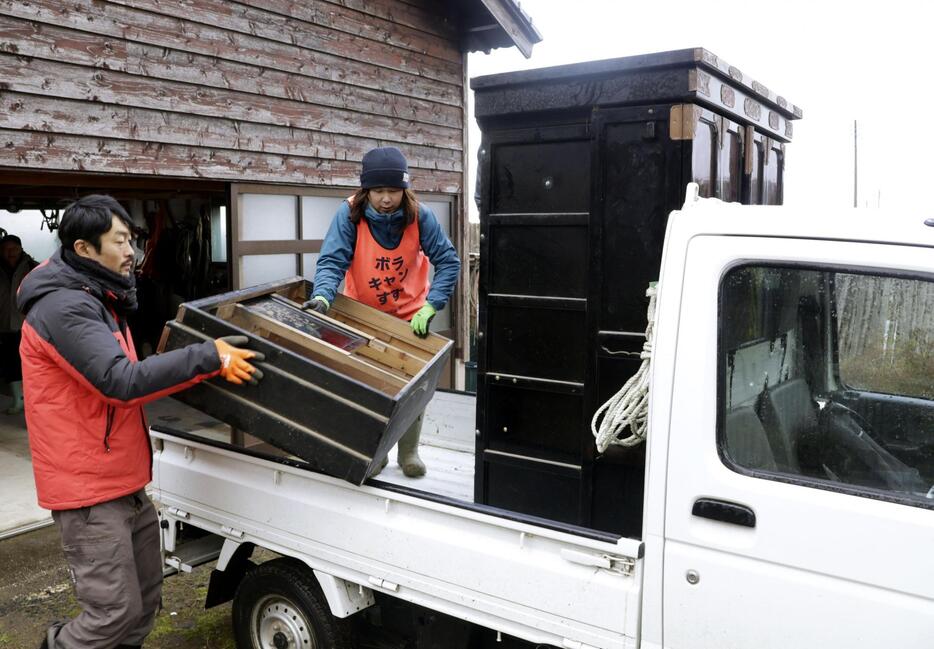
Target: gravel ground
(35,590)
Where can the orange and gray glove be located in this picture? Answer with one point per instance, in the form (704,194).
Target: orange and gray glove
(234,365)
(422,319)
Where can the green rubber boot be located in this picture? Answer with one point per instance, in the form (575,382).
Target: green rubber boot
(412,465)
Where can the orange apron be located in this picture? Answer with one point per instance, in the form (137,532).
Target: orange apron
(393,280)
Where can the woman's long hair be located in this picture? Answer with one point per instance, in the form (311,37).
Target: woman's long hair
(360,200)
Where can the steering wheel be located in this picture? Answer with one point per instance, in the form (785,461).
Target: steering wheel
(844,435)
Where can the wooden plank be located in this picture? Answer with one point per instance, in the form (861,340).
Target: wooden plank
(49,151)
(388,324)
(400,329)
(390,356)
(430,20)
(386,29)
(276,28)
(26,38)
(36,183)
(391,341)
(425,5)
(318,350)
(164,31)
(75,117)
(221,304)
(76,82)
(279,247)
(381,383)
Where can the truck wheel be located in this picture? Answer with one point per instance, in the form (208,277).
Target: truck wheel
(279,605)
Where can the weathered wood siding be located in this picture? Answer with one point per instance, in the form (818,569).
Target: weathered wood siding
(289,91)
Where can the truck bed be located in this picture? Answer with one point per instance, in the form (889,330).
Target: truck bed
(537,580)
(447,449)
(447,444)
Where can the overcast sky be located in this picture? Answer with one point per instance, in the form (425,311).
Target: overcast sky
(870,62)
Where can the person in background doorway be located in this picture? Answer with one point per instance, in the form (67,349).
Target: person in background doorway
(84,390)
(16,264)
(380,243)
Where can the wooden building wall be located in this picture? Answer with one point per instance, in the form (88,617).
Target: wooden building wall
(286,91)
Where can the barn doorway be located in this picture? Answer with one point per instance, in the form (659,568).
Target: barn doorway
(182,255)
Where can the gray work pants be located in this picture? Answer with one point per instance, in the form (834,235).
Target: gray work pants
(112,550)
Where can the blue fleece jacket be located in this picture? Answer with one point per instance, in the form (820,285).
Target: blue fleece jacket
(341,239)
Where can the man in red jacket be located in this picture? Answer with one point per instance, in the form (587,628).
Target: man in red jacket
(84,390)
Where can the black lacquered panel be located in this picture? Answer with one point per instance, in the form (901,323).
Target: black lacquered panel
(535,422)
(534,488)
(541,177)
(541,260)
(536,342)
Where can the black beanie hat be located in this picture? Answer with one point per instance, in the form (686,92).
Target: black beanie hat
(384,167)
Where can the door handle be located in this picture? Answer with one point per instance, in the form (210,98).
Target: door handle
(726,512)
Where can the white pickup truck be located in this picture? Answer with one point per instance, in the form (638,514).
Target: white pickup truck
(788,495)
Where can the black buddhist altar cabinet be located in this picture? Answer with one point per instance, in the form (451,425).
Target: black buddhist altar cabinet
(579,167)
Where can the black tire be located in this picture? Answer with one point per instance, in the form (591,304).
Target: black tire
(279,605)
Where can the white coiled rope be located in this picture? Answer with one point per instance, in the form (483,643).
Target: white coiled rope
(630,406)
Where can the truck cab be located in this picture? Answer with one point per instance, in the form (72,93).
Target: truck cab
(789,488)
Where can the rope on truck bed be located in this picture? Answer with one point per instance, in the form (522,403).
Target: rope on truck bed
(629,408)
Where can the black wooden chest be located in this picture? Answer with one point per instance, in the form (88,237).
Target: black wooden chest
(339,390)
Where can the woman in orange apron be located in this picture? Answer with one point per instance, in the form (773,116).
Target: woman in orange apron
(380,244)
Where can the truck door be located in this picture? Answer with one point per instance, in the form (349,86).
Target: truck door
(791,520)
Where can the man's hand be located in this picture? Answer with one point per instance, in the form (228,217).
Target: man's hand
(422,319)
(234,365)
(317,304)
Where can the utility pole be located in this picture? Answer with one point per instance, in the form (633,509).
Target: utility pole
(855,167)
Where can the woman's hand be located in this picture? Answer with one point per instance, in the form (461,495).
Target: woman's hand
(422,319)
(317,304)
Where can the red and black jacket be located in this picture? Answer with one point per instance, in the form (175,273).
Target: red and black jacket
(84,388)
